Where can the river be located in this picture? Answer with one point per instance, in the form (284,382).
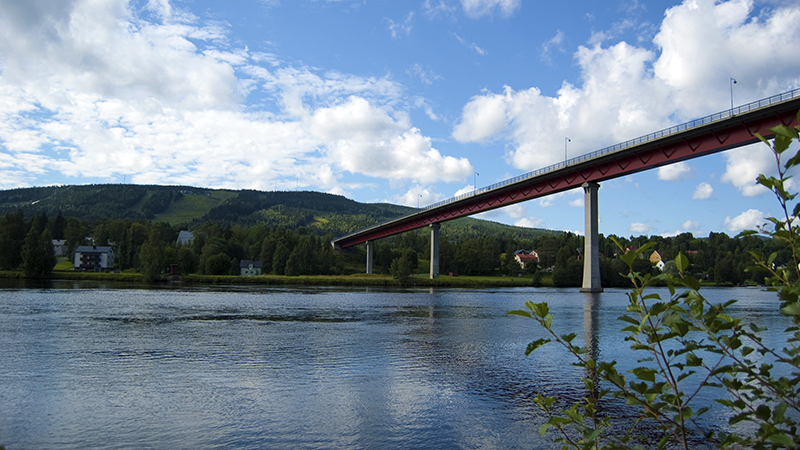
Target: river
(87,365)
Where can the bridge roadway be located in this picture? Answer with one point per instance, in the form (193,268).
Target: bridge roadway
(704,136)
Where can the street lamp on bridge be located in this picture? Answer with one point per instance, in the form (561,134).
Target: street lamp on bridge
(566,139)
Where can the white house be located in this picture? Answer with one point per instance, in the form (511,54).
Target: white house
(94,258)
(185,237)
(249,268)
(59,247)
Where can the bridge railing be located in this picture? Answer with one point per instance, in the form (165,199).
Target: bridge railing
(629,143)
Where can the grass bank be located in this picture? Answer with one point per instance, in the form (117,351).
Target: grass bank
(316,280)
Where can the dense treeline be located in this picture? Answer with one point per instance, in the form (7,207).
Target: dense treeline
(217,249)
(191,207)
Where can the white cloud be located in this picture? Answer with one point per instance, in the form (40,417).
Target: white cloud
(690,225)
(435,8)
(465,190)
(745,164)
(404,27)
(515,211)
(748,220)
(698,74)
(530,222)
(479,8)
(364,139)
(674,172)
(578,202)
(418,196)
(167,104)
(639,227)
(471,45)
(627,91)
(483,117)
(703,191)
(554,43)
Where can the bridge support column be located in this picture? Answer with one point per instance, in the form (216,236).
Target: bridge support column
(434,250)
(370,253)
(591,248)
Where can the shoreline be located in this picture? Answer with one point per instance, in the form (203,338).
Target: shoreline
(303,280)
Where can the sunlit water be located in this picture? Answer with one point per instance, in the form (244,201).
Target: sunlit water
(114,366)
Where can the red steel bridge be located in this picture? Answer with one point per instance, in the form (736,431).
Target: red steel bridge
(700,137)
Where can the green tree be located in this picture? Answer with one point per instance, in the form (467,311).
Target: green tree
(188,261)
(401,268)
(267,253)
(38,258)
(151,258)
(12,236)
(218,264)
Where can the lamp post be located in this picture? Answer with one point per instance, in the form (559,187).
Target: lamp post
(419,197)
(733,81)
(475,181)
(566,139)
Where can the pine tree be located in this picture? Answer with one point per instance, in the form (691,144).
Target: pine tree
(38,258)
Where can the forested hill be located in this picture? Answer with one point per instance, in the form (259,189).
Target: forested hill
(189,206)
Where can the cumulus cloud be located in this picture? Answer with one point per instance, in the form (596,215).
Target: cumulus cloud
(628,90)
(674,172)
(748,220)
(745,164)
(690,225)
(515,211)
(578,202)
(639,227)
(167,105)
(418,196)
(703,191)
(365,139)
(530,222)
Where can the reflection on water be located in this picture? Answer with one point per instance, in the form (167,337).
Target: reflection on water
(103,366)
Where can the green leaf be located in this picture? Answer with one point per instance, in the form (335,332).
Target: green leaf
(682,262)
(792,309)
(535,344)
(782,439)
(568,337)
(543,428)
(519,313)
(540,309)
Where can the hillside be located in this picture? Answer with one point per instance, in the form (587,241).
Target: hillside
(189,206)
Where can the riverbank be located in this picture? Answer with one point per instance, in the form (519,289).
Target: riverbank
(315,280)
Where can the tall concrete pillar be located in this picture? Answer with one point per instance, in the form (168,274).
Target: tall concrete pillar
(591,248)
(434,250)
(370,253)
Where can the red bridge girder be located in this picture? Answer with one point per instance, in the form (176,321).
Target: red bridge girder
(736,131)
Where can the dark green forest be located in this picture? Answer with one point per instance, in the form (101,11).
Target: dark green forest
(290,233)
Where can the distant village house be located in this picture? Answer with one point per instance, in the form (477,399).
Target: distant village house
(59,247)
(185,238)
(655,258)
(526,258)
(93,258)
(249,268)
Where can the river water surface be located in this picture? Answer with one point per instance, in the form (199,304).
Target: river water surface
(86,365)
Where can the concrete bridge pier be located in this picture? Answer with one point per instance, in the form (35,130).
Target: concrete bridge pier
(434,250)
(591,247)
(370,255)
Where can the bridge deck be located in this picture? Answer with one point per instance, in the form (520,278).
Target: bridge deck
(711,134)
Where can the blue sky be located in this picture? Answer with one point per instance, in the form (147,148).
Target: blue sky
(408,102)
